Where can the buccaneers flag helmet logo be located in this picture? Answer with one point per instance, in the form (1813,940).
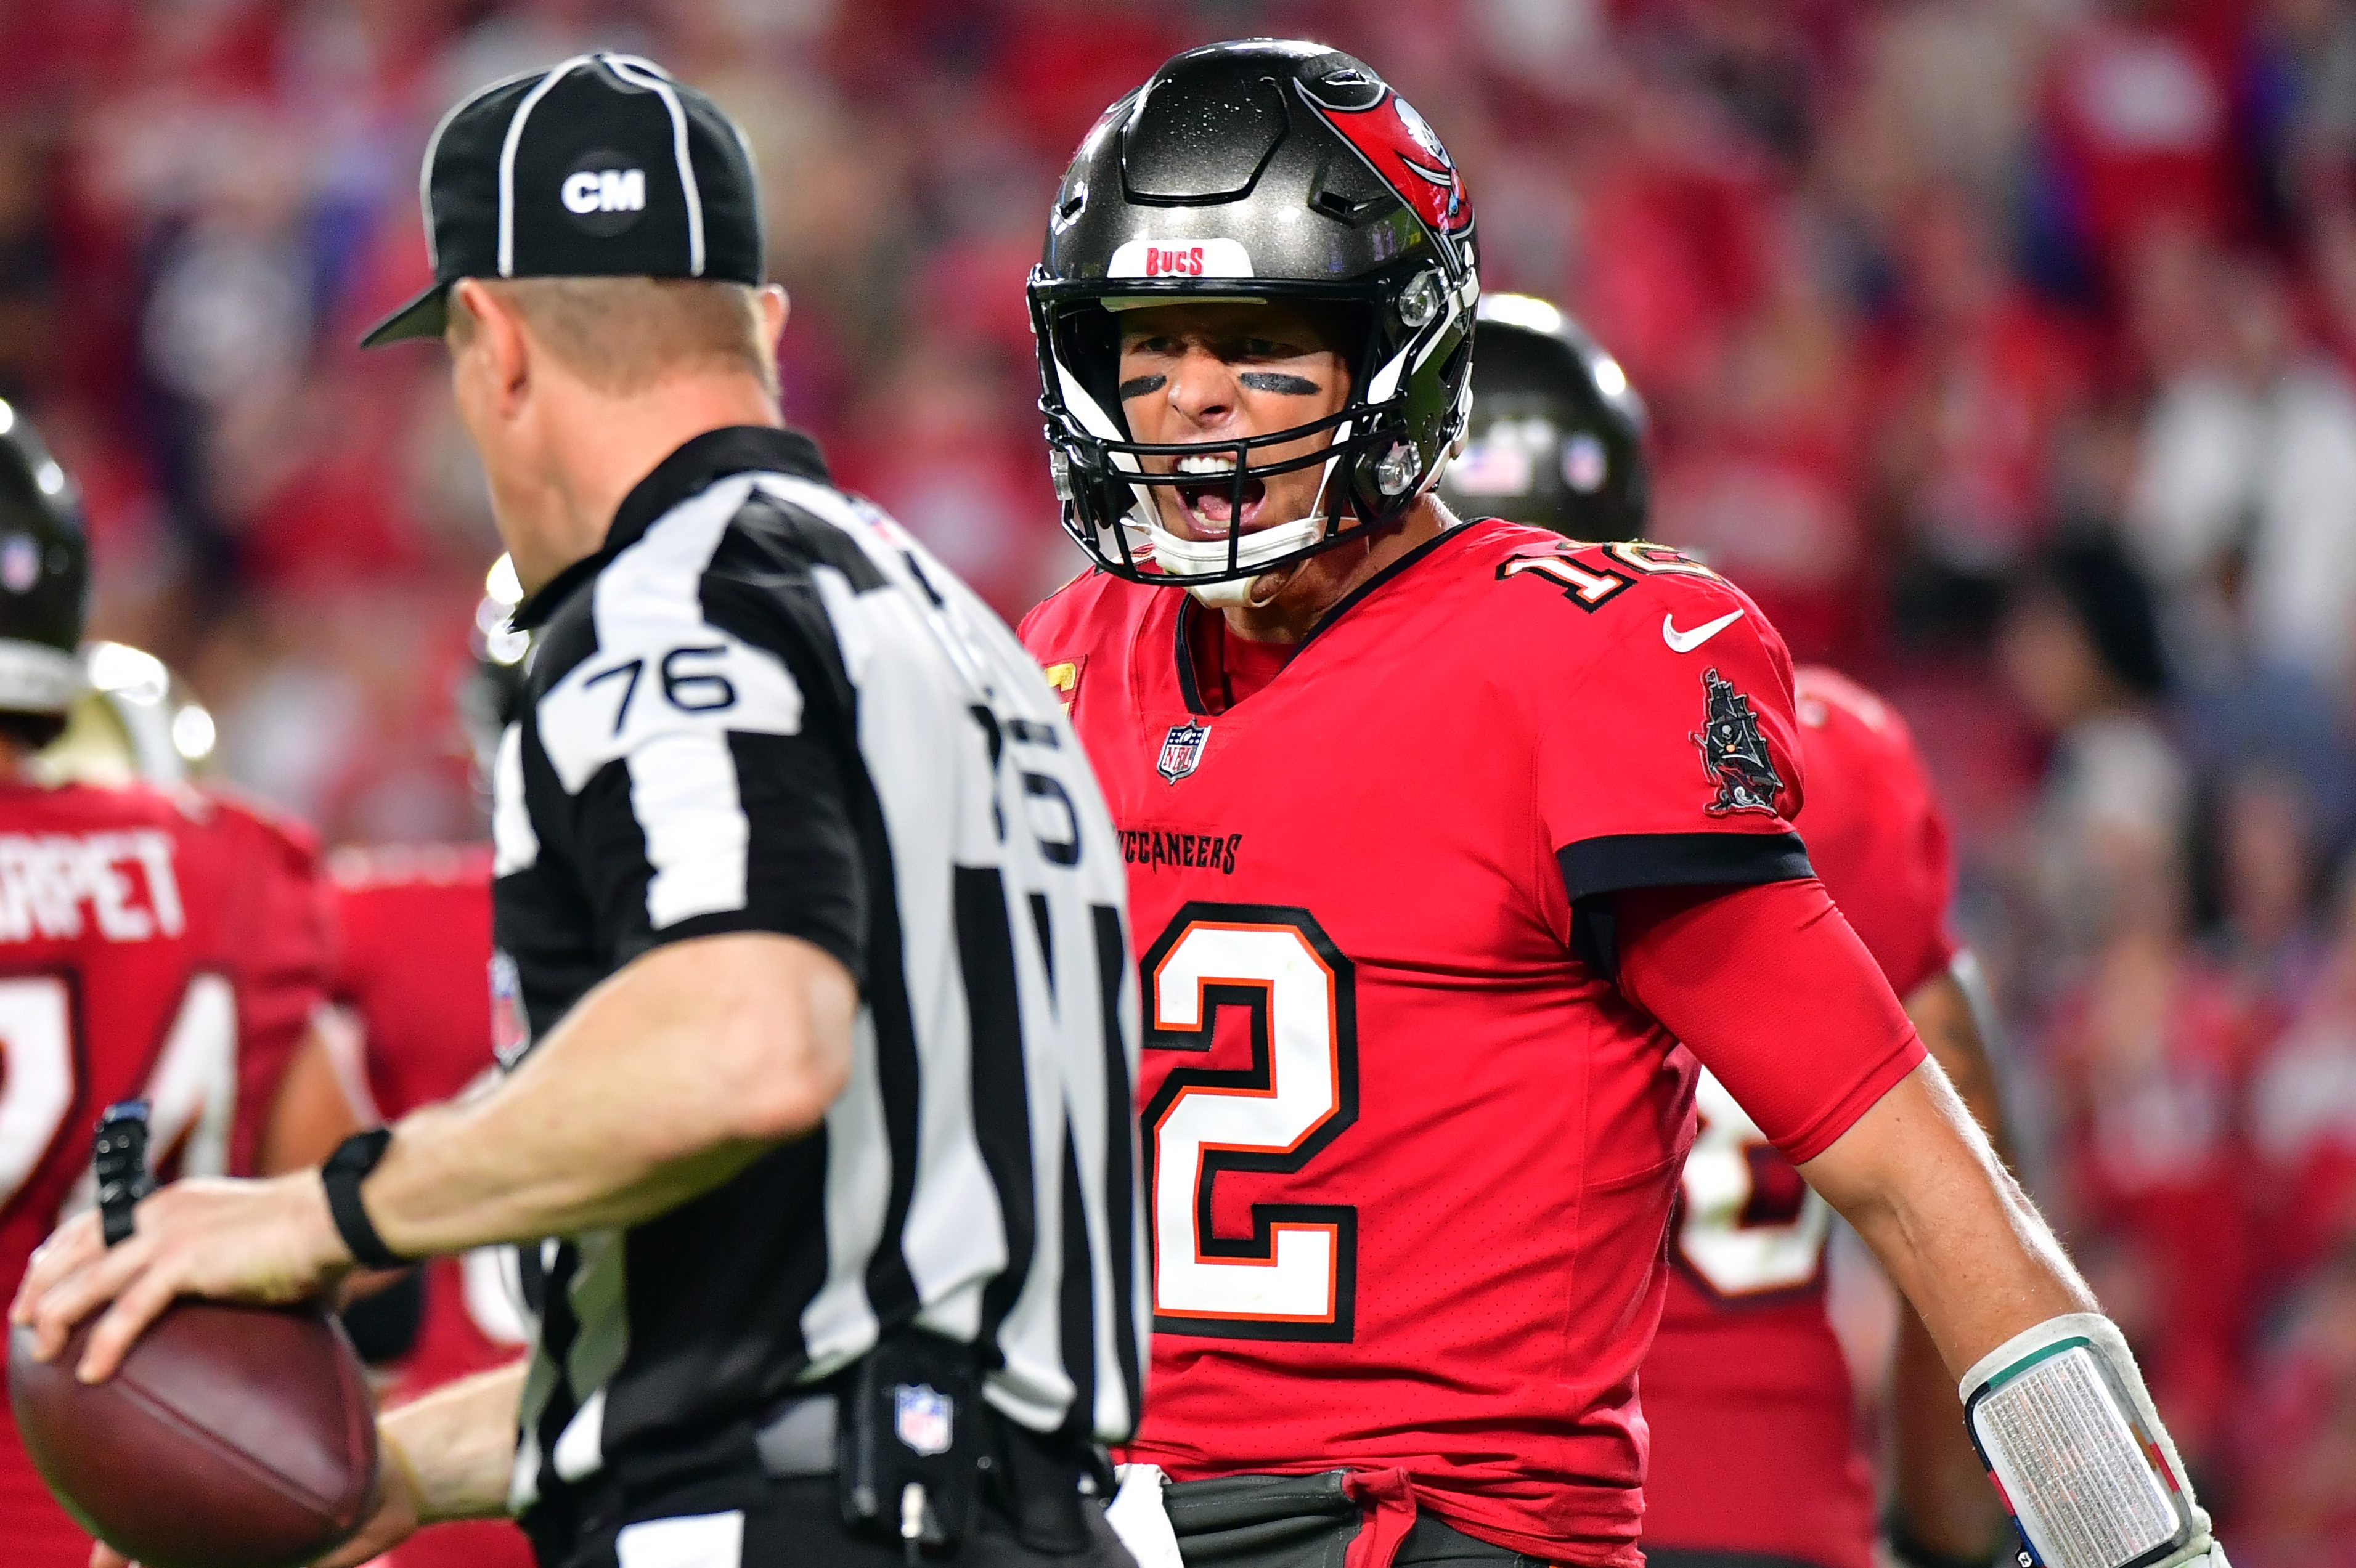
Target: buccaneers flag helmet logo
(1401,146)
(1733,752)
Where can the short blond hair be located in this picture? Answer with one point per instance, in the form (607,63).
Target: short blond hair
(624,335)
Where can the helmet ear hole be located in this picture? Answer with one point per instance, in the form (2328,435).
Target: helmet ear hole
(1454,369)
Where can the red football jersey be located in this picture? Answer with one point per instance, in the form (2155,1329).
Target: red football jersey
(413,964)
(171,947)
(1410,1152)
(414,968)
(1754,1447)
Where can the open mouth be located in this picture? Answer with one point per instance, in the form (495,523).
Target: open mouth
(1212,504)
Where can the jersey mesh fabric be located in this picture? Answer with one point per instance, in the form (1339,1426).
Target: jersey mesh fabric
(148,943)
(1749,1400)
(1440,1143)
(413,964)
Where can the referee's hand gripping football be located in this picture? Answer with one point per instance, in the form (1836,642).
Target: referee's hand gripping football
(268,1241)
(596,1127)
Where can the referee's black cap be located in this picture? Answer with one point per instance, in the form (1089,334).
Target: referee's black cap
(600,167)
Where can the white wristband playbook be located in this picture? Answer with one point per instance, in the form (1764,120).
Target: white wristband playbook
(2069,1433)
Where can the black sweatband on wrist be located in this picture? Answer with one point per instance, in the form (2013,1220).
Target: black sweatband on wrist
(341,1176)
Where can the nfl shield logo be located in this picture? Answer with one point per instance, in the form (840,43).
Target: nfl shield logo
(20,563)
(924,1418)
(511,1029)
(1182,749)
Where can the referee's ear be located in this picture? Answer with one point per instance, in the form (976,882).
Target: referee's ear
(491,357)
(774,308)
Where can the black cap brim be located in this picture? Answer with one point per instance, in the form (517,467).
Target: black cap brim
(423,316)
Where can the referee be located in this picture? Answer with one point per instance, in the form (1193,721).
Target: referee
(822,1026)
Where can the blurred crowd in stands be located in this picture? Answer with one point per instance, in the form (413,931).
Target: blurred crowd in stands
(2003,349)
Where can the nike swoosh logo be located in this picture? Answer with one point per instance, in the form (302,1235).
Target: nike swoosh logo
(1687,642)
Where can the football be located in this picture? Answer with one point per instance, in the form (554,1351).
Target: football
(232,1437)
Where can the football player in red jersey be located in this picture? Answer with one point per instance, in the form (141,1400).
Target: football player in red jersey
(411,972)
(412,1023)
(1754,1458)
(155,945)
(1442,838)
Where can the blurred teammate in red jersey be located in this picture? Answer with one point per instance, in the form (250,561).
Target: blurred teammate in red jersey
(154,942)
(1453,847)
(1755,1458)
(412,972)
(414,1023)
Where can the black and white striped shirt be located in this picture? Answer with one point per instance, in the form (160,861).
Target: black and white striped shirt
(763,707)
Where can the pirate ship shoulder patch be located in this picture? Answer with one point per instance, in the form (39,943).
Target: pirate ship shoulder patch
(1734,752)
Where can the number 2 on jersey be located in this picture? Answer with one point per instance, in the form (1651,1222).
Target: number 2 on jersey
(1294,1276)
(1743,1238)
(192,1089)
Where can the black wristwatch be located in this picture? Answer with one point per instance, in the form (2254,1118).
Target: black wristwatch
(342,1175)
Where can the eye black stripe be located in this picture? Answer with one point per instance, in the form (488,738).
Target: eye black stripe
(1277,381)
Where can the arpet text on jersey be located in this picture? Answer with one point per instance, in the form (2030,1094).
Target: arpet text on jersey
(123,881)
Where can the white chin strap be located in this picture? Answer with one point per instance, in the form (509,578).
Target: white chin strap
(1185,557)
(1188,557)
(1227,595)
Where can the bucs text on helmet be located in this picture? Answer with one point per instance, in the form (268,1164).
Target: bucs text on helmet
(1556,438)
(44,584)
(1254,171)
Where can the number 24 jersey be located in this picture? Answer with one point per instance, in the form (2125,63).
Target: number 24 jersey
(171,947)
(1410,1152)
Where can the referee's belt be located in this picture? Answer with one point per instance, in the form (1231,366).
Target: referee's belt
(800,1439)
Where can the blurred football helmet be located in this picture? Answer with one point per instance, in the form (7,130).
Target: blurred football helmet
(134,719)
(1556,438)
(1253,171)
(44,574)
